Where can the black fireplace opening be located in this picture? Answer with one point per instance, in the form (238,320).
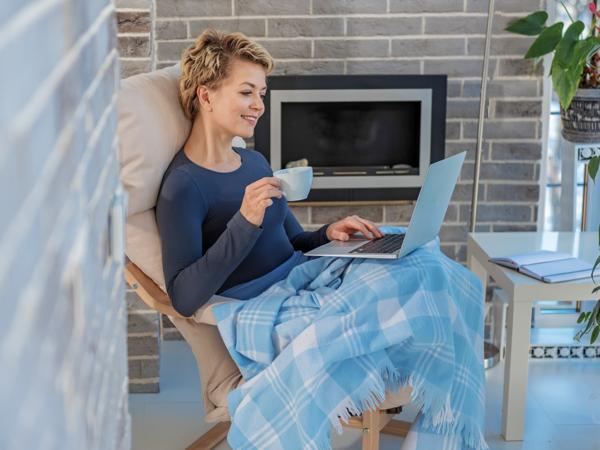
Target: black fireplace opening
(367,137)
(352,138)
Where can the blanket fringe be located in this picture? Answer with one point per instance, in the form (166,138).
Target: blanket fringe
(438,416)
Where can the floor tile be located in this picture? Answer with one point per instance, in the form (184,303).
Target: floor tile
(568,402)
(179,379)
(172,425)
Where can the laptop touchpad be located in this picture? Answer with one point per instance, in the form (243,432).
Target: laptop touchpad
(353,242)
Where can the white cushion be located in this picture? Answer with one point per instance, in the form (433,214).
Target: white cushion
(152,128)
(143,245)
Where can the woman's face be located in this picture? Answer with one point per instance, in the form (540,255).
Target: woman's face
(237,103)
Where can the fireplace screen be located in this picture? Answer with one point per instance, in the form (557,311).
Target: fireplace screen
(352,138)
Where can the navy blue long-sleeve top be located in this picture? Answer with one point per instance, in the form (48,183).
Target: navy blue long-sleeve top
(207,244)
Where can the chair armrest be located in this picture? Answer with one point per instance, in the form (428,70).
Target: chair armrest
(157,299)
(148,290)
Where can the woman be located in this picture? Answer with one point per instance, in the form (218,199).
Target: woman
(224,226)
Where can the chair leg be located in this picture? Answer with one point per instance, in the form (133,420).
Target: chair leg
(370,430)
(211,438)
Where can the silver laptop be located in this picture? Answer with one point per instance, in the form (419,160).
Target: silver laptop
(425,222)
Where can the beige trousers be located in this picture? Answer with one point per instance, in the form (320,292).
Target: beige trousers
(218,372)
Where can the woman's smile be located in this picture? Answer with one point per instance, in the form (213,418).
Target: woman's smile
(250,119)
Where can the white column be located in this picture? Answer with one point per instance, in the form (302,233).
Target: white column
(568,182)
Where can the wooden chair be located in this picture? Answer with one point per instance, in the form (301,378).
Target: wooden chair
(372,423)
(152,128)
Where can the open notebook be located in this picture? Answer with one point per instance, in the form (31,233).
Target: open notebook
(547,266)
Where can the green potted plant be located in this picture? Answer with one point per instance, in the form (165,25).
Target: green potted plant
(574,70)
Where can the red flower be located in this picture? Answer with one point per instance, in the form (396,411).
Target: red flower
(592,7)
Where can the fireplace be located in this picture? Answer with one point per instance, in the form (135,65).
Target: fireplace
(367,137)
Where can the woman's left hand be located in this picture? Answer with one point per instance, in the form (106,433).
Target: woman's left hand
(343,229)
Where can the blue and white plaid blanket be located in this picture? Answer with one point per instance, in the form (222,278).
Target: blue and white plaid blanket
(337,333)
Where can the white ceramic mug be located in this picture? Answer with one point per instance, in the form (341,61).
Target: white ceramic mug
(295,182)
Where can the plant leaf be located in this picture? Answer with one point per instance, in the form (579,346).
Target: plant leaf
(588,327)
(593,167)
(596,289)
(587,47)
(581,317)
(532,25)
(594,268)
(567,65)
(583,52)
(595,334)
(565,54)
(546,41)
(565,81)
(590,323)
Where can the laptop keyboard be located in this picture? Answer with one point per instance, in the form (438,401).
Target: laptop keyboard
(389,243)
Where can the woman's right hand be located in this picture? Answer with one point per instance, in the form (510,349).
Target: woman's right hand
(257,198)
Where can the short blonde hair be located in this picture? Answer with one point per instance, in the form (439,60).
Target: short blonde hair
(208,61)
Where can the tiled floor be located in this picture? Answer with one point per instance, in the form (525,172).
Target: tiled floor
(563,408)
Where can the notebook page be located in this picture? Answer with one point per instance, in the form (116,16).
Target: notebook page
(567,276)
(557,267)
(540,256)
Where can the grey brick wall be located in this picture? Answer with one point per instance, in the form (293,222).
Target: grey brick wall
(143,337)
(135,32)
(62,327)
(404,37)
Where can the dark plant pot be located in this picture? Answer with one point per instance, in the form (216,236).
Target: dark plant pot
(581,121)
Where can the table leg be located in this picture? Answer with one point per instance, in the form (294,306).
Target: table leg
(516,369)
(477,268)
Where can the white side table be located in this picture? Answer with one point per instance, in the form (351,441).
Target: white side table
(522,292)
